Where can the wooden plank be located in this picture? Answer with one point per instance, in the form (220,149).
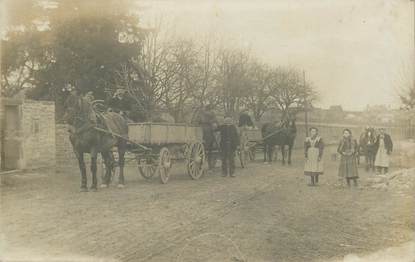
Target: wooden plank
(116,135)
(163,133)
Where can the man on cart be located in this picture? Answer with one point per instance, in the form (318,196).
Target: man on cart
(245,120)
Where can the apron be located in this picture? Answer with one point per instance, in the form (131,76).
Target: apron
(382,157)
(312,165)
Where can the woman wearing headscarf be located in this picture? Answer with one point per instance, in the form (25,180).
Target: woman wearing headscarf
(348,150)
(313,150)
(383,147)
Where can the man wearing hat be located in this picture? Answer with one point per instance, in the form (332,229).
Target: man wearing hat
(228,144)
(120,102)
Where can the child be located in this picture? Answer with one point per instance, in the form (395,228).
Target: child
(348,149)
(314,147)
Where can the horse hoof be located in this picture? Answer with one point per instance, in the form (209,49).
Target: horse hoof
(83,189)
(120,186)
(104,185)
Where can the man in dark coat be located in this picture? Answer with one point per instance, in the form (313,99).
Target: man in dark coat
(228,145)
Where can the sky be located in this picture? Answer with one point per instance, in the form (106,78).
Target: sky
(354,52)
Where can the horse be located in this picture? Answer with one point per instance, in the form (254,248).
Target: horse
(93,133)
(367,147)
(281,136)
(211,139)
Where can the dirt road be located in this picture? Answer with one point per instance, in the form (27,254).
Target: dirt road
(266,213)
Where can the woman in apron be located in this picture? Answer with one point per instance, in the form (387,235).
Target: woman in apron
(313,147)
(384,147)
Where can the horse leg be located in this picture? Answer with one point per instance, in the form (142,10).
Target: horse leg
(290,147)
(367,160)
(121,161)
(94,172)
(108,168)
(82,168)
(283,154)
(265,153)
(270,153)
(276,153)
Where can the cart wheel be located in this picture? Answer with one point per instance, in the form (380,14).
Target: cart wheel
(164,165)
(146,169)
(196,160)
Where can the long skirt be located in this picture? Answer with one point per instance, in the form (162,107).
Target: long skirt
(312,166)
(382,158)
(348,167)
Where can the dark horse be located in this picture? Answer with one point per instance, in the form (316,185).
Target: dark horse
(86,138)
(367,147)
(278,135)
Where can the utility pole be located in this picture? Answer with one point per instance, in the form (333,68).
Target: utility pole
(305,106)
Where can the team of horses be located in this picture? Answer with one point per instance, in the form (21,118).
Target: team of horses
(92,132)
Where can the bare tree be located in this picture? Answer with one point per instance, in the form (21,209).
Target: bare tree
(405,86)
(259,99)
(204,91)
(150,72)
(232,79)
(181,64)
(290,91)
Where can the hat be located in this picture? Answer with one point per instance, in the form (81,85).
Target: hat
(228,121)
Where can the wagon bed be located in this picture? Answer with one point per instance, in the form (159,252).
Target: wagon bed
(157,145)
(163,133)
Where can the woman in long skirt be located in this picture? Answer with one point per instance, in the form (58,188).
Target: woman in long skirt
(384,147)
(313,150)
(348,164)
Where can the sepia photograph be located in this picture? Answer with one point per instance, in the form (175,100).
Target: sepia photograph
(207,130)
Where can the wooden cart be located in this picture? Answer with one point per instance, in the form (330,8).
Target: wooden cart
(157,145)
(250,142)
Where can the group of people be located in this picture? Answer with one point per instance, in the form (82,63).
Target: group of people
(229,139)
(348,149)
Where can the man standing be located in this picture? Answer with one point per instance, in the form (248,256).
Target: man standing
(228,144)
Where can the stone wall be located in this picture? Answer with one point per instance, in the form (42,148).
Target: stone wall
(38,137)
(65,157)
